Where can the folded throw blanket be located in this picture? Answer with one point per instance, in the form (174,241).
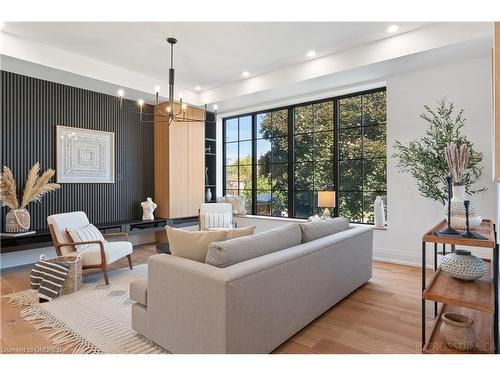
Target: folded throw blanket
(47,278)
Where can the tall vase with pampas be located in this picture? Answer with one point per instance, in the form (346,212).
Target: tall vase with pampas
(457,160)
(18,218)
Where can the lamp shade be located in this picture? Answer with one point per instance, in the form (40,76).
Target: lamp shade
(326,199)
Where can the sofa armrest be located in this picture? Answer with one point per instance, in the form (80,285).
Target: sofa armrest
(186,305)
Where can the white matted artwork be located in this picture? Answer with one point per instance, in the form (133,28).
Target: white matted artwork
(85,155)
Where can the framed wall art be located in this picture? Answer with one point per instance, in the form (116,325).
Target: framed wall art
(85,155)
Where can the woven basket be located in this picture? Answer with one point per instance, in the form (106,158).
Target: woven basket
(17,221)
(73,281)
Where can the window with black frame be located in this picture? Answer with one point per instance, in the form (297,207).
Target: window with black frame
(334,141)
(272,163)
(362,154)
(313,156)
(238,159)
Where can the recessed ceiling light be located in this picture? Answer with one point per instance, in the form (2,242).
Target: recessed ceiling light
(121,92)
(197,88)
(245,74)
(311,54)
(392,28)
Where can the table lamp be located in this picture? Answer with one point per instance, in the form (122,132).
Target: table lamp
(326,199)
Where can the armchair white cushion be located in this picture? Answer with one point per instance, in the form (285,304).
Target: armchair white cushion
(61,222)
(97,253)
(113,250)
(216,216)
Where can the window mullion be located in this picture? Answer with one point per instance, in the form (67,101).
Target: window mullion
(254,164)
(291,162)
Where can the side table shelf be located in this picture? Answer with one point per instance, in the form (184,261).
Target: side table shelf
(477,295)
(476,299)
(482,324)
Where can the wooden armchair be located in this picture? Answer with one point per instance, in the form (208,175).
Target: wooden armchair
(97,256)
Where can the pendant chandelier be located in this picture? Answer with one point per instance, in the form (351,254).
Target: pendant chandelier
(167,113)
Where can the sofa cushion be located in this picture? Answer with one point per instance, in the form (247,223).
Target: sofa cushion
(240,232)
(313,230)
(138,291)
(227,253)
(192,245)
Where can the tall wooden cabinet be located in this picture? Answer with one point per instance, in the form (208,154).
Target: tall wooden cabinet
(179,165)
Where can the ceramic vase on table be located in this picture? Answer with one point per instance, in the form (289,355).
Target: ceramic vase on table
(17,221)
(458,219)
(458,193)
(461,264)
(379,215)
(458,332)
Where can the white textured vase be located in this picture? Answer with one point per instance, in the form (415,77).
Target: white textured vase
(458,193)
(379,215)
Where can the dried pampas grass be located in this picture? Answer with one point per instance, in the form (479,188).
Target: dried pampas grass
(8,194)
(36,187)
(458,160)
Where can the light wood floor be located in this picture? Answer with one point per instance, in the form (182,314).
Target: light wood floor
(383,316)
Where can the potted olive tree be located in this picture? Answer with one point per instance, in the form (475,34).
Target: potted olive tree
(425,159)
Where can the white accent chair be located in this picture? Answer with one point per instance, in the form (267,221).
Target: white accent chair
(216,216)
(97,256)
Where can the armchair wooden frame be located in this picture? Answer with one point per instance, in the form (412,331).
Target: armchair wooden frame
(103,266)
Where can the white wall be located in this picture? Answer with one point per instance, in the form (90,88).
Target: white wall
(468,85)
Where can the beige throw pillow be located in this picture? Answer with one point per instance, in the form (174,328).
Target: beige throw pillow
(190,244)
(240,232)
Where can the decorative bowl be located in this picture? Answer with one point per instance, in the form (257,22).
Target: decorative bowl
(459,221)
(458,332)
(458,208)
(464,266)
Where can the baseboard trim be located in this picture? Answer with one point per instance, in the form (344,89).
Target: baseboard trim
(399,257)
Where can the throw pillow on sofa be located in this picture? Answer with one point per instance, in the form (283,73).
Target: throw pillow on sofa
(190,244)
(240,232)
(314,230)
(227,253)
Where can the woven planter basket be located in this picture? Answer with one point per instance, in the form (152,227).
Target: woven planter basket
(17,221)
(73,281)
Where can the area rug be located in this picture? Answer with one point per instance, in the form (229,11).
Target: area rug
(96,319)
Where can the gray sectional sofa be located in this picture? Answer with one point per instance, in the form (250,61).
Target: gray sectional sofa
(262,289)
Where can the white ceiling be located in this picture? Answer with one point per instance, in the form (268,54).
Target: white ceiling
(207,54)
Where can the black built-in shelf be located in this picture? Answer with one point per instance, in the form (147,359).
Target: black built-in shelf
(210,156)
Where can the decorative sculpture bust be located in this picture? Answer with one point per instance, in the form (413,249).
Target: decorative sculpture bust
(148,208)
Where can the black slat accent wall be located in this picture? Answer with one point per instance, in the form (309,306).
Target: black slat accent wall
(31,109)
